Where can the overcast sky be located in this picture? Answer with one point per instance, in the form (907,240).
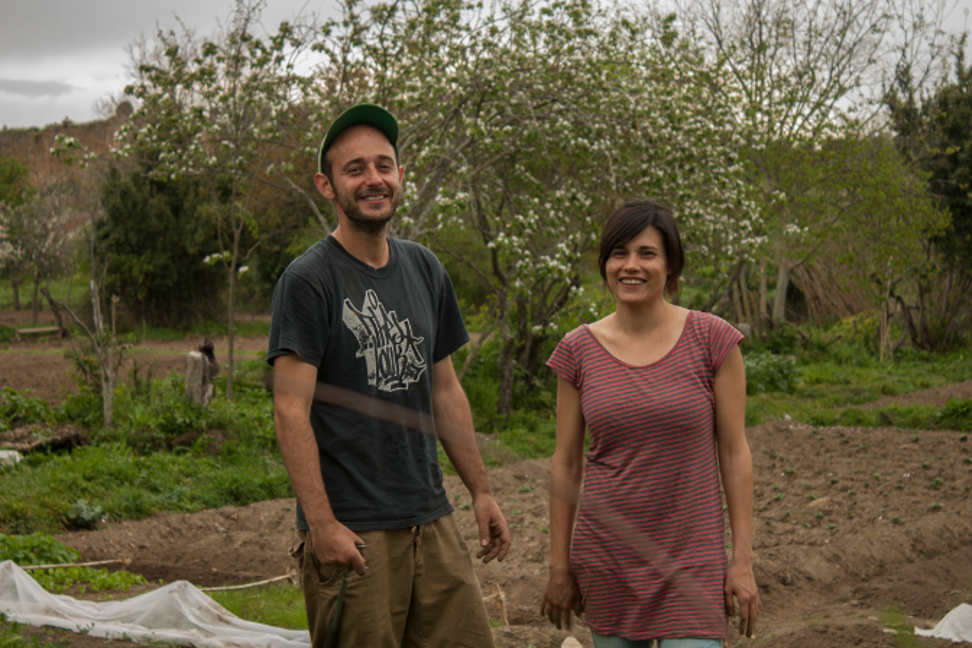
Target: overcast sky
(58,58)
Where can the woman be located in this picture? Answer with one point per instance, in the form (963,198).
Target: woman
(662,391)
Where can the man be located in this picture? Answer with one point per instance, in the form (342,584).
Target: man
(363,328)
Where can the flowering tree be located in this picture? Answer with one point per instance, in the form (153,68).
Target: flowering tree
(525,125)
(15,190)
(805,72)
(217,110)
(35,239)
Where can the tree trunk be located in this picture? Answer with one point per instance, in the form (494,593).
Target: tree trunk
(507,367)
(230,328)
(763,313)
(779,299)
(15,290)
(35,300)
(103,351)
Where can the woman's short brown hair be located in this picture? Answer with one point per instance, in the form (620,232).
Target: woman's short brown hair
(629,220)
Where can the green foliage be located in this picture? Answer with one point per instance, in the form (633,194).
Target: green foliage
(151,420)
(12,637)
(768,372)
(832,392)
(86,579)
(531,393)
(957,414)
(280,605)
(903,628)
(164,453)
(17,409)
(37,493)
(155,262)
(84,515)
(15,187)
(35,549)
(530,434)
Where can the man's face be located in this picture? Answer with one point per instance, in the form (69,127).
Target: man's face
(366,181)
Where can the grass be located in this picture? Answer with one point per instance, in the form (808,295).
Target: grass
(12,635)
(64,289)
(904,636)
(827,392)
(38,492)
(276,604)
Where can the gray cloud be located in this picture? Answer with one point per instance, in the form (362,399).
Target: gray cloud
(32,89)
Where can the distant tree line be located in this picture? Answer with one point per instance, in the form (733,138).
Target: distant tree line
(813,150)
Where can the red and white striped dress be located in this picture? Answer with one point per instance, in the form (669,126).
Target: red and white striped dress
(648,549)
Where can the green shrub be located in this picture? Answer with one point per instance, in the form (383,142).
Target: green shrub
(768,372)
(17,409)
(84,515)
(36,494)
(86,579)
(35,549)
(957,414)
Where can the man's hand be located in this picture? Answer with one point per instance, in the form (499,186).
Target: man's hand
(494,535)
(561,598)
(741,587)
(334,543)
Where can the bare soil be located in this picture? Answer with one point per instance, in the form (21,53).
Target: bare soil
(850,523)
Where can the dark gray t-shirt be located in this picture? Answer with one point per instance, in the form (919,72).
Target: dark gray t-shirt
(374,334)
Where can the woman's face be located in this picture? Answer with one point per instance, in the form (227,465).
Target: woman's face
(638,270)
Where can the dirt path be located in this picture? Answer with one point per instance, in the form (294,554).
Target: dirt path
(850,523)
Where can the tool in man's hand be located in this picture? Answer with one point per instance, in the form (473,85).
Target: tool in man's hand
(334,627)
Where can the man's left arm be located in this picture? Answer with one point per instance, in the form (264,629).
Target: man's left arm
(454,427)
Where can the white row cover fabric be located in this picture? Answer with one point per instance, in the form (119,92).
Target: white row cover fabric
(956,625)
(177,613)
(9,457)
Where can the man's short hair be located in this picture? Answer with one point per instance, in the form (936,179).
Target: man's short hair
(362,113)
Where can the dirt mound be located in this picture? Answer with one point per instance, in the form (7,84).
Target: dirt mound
(850,524)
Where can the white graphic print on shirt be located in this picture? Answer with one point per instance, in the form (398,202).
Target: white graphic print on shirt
(392,354)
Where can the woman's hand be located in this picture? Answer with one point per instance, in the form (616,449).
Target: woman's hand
(741,588)
(561,598)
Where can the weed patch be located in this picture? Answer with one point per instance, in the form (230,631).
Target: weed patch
(277,604)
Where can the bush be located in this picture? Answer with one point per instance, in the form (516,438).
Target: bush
(957,414)
(768,372)
(18,409)
(35,549)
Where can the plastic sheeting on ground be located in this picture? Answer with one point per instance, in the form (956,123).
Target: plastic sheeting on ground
(177,613)
(956,625)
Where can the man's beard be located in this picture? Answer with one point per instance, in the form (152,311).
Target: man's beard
(362,223)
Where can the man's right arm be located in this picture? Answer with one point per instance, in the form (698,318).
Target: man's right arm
(293,393)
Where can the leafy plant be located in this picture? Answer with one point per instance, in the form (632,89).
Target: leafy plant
(768,372)
(86,579)
(84,515)
(35,549)
(17,408)
(957,414)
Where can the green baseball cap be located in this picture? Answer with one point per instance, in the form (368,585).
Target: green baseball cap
(362,113)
